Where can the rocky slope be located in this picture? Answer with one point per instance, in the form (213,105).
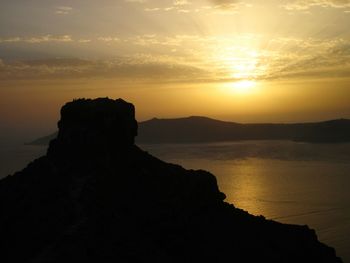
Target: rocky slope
(96,197)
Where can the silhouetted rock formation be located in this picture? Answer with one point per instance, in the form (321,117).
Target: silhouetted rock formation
(96,197)
(202,129)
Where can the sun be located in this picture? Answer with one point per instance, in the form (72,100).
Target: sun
(244,86)
(242,69)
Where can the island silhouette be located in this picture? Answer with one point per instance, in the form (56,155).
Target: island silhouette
(97,197)
(198,129)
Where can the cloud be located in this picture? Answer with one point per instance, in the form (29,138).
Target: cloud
(84,40)
(181,2)
(153,9)
(194,58)
(195,6)
(37,39)
(142,68)
(290,4)
(108,39)
(63,10)
(179,6)
(310,58)
(10,40)
(136,1)
(307,4)
(235,58)
(224,2)
(227,4)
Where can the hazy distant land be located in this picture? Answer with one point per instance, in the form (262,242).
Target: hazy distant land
(202,129)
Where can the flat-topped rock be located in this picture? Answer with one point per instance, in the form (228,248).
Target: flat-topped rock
(95,126)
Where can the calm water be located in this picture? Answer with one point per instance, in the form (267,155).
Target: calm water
(290,182)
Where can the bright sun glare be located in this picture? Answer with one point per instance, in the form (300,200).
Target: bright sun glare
(242,64)
(244,86)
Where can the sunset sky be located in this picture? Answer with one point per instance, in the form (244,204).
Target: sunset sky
(245,61)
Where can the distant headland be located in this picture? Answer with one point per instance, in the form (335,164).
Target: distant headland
(197,129)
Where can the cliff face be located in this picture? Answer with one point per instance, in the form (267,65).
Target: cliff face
(96,197)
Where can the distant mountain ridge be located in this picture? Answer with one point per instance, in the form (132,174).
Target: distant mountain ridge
(197,129)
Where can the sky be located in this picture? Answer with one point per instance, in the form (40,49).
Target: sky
(244,61)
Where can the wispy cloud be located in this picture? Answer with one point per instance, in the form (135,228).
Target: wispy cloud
(181,2)
(63,10)
(138,67)
(109,39)
(84,40)
(307,4)
(194,58)
(228,6)
(227,3)
(135,1)
(308,58)
(195,6)
(38,39)
(289,4)
(230,58)
(180,6)
(153,9)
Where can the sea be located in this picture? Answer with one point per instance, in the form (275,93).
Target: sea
(290,182)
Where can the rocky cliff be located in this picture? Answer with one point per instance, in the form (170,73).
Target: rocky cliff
(96,197)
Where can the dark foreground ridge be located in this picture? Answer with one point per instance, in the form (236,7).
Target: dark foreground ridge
(96,197)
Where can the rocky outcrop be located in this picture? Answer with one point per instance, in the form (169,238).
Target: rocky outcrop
(96,197)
